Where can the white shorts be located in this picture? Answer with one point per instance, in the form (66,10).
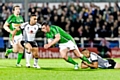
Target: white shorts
(17,39)
(69,45)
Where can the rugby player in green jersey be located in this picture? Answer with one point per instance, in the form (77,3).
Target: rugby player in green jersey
(66,43)
(10,25)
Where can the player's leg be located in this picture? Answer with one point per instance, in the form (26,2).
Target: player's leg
(8,51)
(28,56)
(73,46)
(28,53)
(112,64)
(14,45)
(81,56)
(20,54)
(117,65)
(63,53)
(36,56)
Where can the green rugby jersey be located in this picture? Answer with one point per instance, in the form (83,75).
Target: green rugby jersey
(64,36)
(14,22)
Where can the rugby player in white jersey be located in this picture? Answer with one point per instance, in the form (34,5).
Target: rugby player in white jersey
(29,30)
(98,62)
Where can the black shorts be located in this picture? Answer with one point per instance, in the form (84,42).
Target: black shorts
(32,43)
(112,62)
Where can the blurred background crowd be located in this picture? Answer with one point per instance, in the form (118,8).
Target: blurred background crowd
(88,21)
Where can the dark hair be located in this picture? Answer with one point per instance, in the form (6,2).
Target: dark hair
(45,23)
(84,49)
(32,15)
(15,7)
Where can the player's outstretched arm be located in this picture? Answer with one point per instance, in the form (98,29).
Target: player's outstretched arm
(54,41)
(84,66)
(92,65)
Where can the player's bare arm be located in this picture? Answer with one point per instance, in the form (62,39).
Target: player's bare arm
(84,66)
(55,40)
(93,64)
(6,27)
(14,33)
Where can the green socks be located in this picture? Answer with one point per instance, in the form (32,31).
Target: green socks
(8,51)
(85,59)
(70,60)
(20,55)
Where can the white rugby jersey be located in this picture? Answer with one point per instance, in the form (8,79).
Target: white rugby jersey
(29,31)
(102,63)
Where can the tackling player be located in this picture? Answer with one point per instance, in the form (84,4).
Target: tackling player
(11,24)
(29,30)
(98,62)
(66,42)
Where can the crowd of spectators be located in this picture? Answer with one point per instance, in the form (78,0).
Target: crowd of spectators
(88,21)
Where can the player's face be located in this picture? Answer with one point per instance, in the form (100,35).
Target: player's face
(86,53)
(33,19)
(44,28)
(17,10)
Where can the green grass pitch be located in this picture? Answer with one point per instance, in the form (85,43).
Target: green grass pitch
(54,69)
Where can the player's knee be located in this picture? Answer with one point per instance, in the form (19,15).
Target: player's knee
(35,55)
(64,57)
(15,50)
(29,49)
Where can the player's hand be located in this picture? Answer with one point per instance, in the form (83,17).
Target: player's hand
(12,32)
(85,62)
(46,46)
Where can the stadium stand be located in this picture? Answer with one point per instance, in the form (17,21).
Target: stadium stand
(81,20)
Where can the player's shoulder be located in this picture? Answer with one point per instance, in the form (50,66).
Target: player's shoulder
(53,27)
(11,16)
(39,25)
(24,24)
(93,54)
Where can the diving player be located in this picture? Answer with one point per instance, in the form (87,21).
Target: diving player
(98,62)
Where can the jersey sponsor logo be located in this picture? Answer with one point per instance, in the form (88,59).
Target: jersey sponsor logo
(31,31)
(107,64)
(15,25)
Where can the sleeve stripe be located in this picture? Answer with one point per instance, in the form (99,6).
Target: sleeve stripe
(56,29)
(94,60)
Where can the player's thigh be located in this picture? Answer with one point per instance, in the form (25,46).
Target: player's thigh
(117,65)
(15,48)
(63,52)
(77,52)
(15,42)
(28,46)
(21,48)
(35,51)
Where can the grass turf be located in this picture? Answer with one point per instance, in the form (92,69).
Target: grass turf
(54,69)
